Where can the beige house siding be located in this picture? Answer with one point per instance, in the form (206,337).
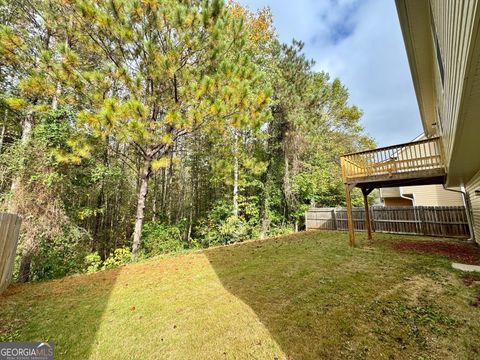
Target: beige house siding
(445,34)
(390,192)
(397,201)
(453,22)
(425,195)
(473,185)
(433,195)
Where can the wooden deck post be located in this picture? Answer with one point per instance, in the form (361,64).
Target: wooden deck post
(351,230)
(368,223)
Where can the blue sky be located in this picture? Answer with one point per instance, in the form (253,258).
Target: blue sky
(360,42)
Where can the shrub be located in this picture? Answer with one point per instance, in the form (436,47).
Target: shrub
(280,230)
(60,256)
(234,229)
(119,257)
(159,238)
(93,262)
(231,230)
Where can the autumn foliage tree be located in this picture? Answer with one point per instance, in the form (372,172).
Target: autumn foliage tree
(189,117)
(149,73)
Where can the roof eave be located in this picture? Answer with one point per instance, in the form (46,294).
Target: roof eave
(414,16)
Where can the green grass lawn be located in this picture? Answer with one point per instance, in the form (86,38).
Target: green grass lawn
(304,296)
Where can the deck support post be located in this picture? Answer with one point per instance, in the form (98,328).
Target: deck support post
(368,223)
(348,199)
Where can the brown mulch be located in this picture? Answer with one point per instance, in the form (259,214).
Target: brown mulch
(464,253)
(469,279)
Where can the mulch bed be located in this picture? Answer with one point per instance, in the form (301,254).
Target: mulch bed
(464,253)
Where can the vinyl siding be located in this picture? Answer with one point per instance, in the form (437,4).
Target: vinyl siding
(397,201)
(453,21)
(390,192)
(425,195)
(433,195)
(473,185)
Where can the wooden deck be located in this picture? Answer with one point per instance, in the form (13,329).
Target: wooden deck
(414,163)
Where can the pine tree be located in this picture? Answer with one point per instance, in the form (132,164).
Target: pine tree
(150,73)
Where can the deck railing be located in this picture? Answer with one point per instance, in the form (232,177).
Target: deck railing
(389,161)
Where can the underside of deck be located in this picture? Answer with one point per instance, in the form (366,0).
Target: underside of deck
(420,177)
(414,163)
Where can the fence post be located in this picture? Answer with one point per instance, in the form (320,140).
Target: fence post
(9,232)
(306,220)
(419,220)
(372,218)
(334,218)
(421,213)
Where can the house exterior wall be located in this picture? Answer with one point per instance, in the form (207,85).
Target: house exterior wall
(397,201)
(433,195)
(452,25)
(390,192)
(442,40)
(472,186)
(425,195)
(455,24)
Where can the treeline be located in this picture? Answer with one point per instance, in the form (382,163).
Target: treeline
(155,126)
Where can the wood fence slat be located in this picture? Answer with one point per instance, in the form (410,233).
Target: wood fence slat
(446,221)
(9,233)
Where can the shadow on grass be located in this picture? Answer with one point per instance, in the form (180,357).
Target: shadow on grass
(298,290)
(68,311)
(320,299)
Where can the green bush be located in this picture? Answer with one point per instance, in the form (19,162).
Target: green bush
(93,262)
(119,257)
(232,229)
(159,238)
(280,230)
(61,256)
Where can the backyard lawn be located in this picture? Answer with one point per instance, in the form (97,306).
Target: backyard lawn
(304,296)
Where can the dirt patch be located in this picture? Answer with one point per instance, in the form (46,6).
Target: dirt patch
(412,288)
(470,279)
(464,253)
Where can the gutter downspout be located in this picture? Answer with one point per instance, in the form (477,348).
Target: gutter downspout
(468,209)
(412,199)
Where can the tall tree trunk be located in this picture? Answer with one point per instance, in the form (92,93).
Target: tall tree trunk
(98,218)
(154,199)
(58,92)
(168,188)
(27,127)
(190,224)
(142,196)
(25,264)
(265,205)
(164,191)
(193,192)
(287,191)
(265,223)
(235,175)
(4,127)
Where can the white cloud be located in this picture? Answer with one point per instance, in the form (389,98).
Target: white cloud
(359,42)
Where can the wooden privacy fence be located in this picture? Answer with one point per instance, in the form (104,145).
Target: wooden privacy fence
(448,221)
(9,231)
